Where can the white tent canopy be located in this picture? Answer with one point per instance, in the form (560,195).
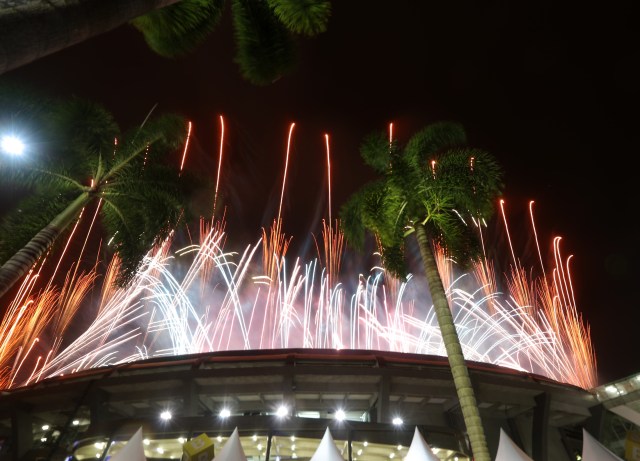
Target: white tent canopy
(592,450)
(232,449)
(133,450)
(327,450)
(420,449)
(508,450)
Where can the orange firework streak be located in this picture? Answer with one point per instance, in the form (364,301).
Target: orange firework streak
(566,355)
(19,329)
(566,322)
(28,314)
(275,245)
(517,279)
(209,230)
(554,297)
(484,273)
(333,237)
(69,300)
(23,325)
(186,147)
(333,245)
(215,197)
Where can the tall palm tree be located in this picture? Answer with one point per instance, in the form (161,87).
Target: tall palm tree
(429,189)
(264,30)
(75,161)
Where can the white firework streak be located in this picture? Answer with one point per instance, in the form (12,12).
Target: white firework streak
(308,314)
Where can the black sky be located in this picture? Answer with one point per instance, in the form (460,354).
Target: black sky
(551,90)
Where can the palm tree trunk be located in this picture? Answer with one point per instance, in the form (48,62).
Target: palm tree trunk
(24,259)
(461,380)
(31,29)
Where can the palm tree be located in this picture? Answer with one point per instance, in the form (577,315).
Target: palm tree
(263,29)
(76,162)
(426,190)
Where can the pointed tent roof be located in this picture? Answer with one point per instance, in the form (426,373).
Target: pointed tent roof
(327,450)
(508,450)
(592,450)
(232,449)
(420,449)
(132,450)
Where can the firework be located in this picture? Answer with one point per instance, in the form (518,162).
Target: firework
(205,298)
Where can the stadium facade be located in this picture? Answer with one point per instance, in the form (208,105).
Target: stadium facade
(282,401)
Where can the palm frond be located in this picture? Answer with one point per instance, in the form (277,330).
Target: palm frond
(472,178)
(154,139)
(351,219)
(81,131)
(433,139)
(142,206)
(29,216)
(178,29)
(23,177)
(308,17)
(265,49)
(463,182)
(393,259)
(375,150)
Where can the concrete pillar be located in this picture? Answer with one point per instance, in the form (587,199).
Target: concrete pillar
(540,427)
(384,389)
(98,405)
(190,398)
(22,431)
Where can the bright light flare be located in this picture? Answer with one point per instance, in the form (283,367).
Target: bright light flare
(282,412)
(12,145)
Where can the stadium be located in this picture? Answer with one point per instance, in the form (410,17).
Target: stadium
(281,401)
(207,341)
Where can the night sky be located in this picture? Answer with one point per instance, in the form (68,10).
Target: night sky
(553,93)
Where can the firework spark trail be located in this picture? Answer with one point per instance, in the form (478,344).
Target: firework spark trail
(532,327)
(274,249)
(186,147)
(572,357)
(215,196)
(309,312)
(30,314)
(508,337)
(97,342)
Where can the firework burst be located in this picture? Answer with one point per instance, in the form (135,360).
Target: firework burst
(205,298)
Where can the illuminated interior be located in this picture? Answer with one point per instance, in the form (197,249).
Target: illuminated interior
(283,447)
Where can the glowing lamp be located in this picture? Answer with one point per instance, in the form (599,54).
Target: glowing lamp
(12,145)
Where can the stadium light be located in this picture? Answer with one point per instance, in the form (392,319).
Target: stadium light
(12,145)
(282,412)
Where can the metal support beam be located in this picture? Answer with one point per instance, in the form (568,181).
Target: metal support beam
(22,432)
(190,398)
(384,390)
(595,424)
(540,427)
(99,405)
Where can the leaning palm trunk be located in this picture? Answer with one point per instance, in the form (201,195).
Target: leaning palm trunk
(452,345)
(25,258)
(32,29)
